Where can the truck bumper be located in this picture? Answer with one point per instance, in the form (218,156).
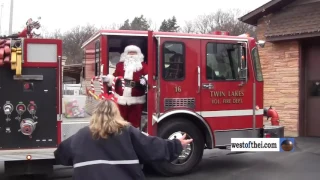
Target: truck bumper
(21,154)
(274,131)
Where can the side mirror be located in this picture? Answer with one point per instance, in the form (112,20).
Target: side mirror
(243,70)
(261,43)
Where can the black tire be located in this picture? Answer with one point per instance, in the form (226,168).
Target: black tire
(180,124)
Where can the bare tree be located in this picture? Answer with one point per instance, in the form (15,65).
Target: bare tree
(44,33)
(228,21)
(189,27)
(204,23)
(113,26)
(56,34)
(151,25)
(154,26)
(73,40)
(220,21)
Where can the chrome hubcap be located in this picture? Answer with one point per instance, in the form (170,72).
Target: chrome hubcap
(186,152)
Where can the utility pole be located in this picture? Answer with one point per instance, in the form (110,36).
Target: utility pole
(1,17)
(11,17)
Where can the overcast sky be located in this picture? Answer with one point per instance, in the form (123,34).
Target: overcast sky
(65,14)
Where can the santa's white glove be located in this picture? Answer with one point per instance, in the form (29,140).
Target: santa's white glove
(105,78)
(143,81)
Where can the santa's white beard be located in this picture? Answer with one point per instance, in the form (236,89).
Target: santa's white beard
(132,64)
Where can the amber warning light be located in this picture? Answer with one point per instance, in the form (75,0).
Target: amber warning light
(28,157)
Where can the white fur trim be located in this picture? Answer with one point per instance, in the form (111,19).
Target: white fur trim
(111,78)
(127,91)
(122,100)
(128,74)
(132,48)
(129,49)
(146,77)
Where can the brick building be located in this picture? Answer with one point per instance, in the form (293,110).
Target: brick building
(291,61)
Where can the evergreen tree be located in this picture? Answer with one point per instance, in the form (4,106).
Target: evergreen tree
(169,25)
(164,26)
(173,25)
(126,25)
(140,23)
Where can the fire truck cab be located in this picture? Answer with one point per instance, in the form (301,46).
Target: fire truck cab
(209,86)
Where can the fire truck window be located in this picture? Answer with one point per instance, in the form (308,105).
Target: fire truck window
(257,64)
(173,61)
(114,58)
(97,59)
(223,61)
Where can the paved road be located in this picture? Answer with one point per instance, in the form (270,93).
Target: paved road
(224,165)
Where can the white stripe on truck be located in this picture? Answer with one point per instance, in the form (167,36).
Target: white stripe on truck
(228,113)
(95,162)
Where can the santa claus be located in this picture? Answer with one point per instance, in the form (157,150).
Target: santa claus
(135,73)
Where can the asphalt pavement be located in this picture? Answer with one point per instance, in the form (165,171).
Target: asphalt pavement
(303,164)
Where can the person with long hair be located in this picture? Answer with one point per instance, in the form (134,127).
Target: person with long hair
(131,94)
(110,148)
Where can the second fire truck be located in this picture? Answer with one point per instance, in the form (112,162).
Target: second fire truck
(30,101)
(209,86)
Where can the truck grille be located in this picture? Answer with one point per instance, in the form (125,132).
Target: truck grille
(170,103)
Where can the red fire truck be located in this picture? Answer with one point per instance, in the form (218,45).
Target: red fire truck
(209,86)
(30,101)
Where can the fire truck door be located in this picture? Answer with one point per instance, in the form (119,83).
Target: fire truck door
(179,61)
(226,96)
(152,84)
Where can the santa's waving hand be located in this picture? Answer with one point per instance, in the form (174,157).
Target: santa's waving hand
(135,73)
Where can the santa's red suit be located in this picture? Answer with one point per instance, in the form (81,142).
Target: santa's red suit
(135,73)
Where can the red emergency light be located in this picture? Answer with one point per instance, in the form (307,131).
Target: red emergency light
(224,33)
(267,135)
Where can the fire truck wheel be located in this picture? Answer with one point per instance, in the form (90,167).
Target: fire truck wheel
(191,155)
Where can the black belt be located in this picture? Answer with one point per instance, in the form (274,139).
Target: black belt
(132,84)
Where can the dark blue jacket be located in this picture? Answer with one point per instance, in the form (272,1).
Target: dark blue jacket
(115,158)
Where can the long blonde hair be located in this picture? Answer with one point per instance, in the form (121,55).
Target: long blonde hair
(106,120)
